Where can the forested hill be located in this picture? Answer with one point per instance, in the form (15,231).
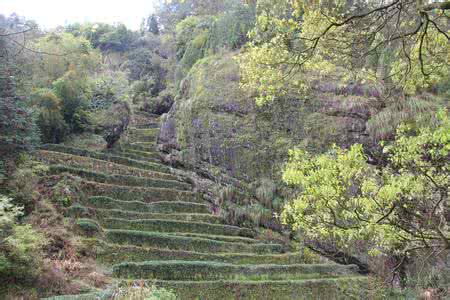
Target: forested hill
(258,149)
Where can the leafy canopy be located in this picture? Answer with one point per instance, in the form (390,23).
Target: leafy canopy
(399,207)
(402,41)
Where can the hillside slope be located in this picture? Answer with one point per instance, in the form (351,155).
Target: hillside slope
(145,221)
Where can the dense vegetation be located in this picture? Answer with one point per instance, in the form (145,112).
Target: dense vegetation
(324,123)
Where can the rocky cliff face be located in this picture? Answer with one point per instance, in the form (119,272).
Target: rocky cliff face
(216,124)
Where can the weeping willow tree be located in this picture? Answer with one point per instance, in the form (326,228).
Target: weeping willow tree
(400,41)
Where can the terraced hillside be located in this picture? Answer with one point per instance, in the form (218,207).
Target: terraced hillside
(145,222)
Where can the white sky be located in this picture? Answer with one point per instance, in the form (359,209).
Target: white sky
(51,13)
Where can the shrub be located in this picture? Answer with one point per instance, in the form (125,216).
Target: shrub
(109,87)
(23,181)
(88,227)
(21,255)
(66,191)
(160,104)
(8,212)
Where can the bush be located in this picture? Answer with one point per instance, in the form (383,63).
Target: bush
(22,183)
(160,104)
(20,247)
(8,213)
(109,87)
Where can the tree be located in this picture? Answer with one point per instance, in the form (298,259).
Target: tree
(152,25)
(18,131)
(75,93)
(51,123)
(64,50)
(398,208)
(405,41)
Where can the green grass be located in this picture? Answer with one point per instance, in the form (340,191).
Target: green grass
(173,242)
(97,165)
(120,179)
(224,238)
(138,147)
(108,157)
(88,227)
(155,207)
(206,270)
(177,226)
(140,155)
(77,211)
(309,289)
(129,193)
(113,253)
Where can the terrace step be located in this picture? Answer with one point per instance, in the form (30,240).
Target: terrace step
(145,223)
(138,147)
(108,253)
(174,226)
(162,207)
(98,165)
(139,155)
(206,270)
(142,135)
(143,194)
(125,180)
(81,211)
(147,125)
(174,242)
(109,157)
(223,238)
(346,287)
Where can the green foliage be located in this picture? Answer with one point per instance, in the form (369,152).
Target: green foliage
(88,227)
(52,125)
(22,183)
(160,104)
(18,130)
(21,255)
(345,199)
(75,92)
(20,246)
(109,87)
(8,212)
(71,54)
(229,29)
(104,36)
(294,41)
